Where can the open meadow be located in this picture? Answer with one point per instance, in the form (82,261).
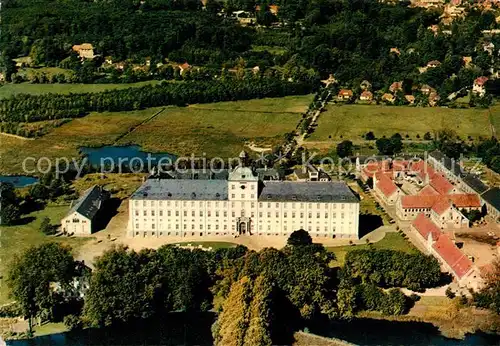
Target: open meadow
(216,132)
(218,129)
(8,90)
(353,121)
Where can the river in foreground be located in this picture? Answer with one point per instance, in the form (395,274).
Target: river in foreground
(195,329)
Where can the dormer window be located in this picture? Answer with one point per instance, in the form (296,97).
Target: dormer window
(294,198)
(193,195)
(242,187)
(169,194)
(217,195)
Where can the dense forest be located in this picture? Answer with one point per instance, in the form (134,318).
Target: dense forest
(261,296)
(351,39)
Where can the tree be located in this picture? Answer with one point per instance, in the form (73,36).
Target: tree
(32,272)
(9,206)
(489,296)
(389,146)
(369,136)
(46,227)
(427,136)
(299,237)
(344,148)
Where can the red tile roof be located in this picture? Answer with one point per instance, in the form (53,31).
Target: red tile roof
(428,191)
(456,259)
(480,80)
(345,92)
(441,206)
(367,94)
(425,226)
(427,201)
(385,184)
(422,168)
(441,184)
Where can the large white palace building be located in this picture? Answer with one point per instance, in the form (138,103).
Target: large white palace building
(242,204)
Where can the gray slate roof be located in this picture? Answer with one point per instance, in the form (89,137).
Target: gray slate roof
(182,189)
(475,183)
(90,202)
(451,164)
(492,197)
(307,192)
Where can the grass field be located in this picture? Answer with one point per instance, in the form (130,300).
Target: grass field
(15,239)
(222,133)
(352,121)
(391,241)
(218,129)
(8,90)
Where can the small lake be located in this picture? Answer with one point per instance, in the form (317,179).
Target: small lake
(124,156)
(195,329)
(18,180)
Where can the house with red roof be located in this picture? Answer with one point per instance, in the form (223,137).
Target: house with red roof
(456,262)
(385,188)
(478,87)
(344,95)
(446,215)
(408,207)
(366,96)
(395,87)
(442,185)
(428,231)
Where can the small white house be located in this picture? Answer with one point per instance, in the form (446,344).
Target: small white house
(80,219)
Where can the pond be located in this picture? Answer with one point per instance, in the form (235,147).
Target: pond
(195,329)
(366,331)
(124,156)
(18,180)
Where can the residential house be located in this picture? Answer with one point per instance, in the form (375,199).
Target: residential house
(331,80)
(80,220)
(395,87)
(408,207)
(385,188)
(433,99)
(84,50)
(388,98)
(444,214)
(366,96)
(489,47)
(433,64)
(410,99)
(310,173)
(345,95)
(184,67)
(478,87)
(395,50)
(467,61)
(427,89)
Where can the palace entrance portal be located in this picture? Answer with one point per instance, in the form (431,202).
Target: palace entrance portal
(243,226)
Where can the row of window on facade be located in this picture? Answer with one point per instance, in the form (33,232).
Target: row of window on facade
(261,228)
(233,204)
(233,214)
(219,233)
(76,221)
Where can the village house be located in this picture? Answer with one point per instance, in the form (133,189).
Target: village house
(344,95)
(84,50)
(489,47)
(388,98)
(366,96)
(184,67)
(433,64)
(331,80)
(452,259)
(426,89)
(385,188)
(395,50)
(410,99)
(80,220)
(395,87)
(467,61)
(433,99)
(310,173)
(478,87)
(408,207)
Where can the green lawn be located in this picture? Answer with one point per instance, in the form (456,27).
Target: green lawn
(218,133)
(352,121)
(15,239)
(287,104)
(8,90)
(391,241)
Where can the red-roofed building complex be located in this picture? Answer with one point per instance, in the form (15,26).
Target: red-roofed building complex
(385,188)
